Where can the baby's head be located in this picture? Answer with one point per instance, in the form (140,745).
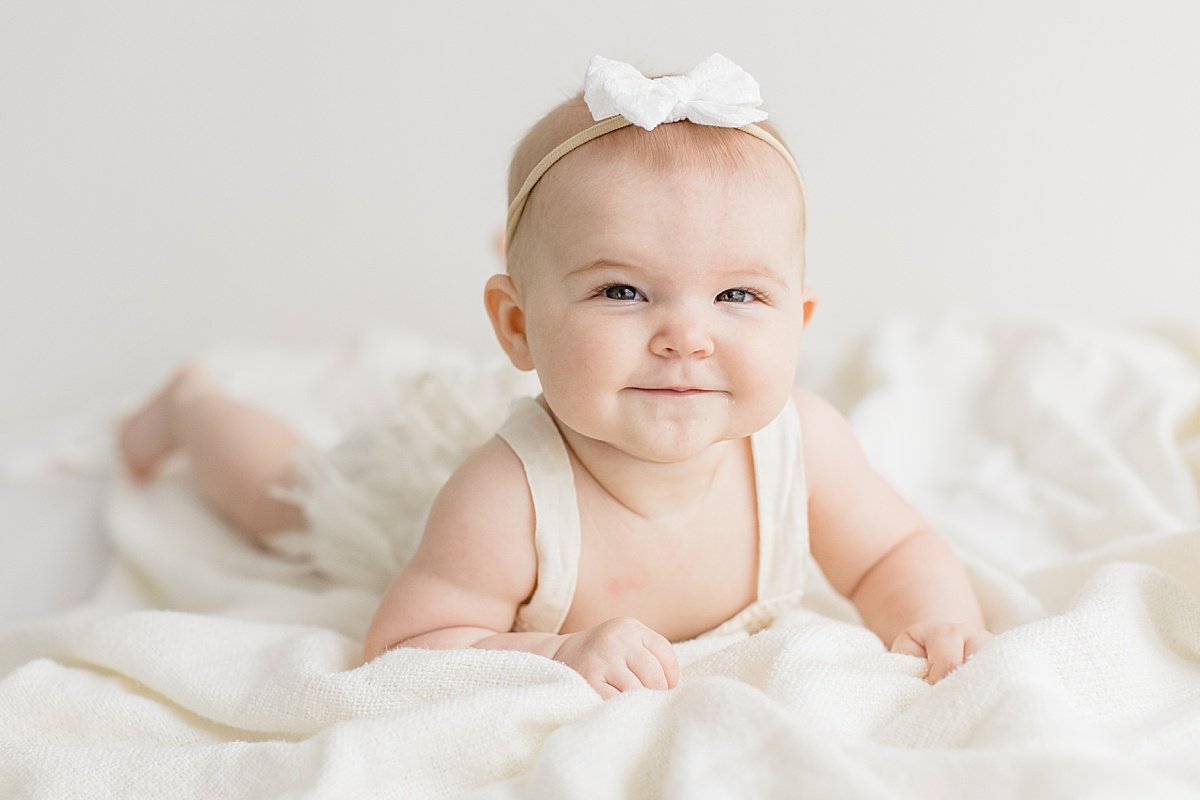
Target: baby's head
(649,261)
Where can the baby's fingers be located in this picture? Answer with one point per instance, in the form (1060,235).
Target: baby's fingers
(605,689)
(665,654)
(622,679)
(909,646)
(945,653)
(645,666)
(976,641)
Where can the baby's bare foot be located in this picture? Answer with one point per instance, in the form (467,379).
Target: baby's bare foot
(149,435)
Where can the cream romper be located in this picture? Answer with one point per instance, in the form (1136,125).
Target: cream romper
(782,500)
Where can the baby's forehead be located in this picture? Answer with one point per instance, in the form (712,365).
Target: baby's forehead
(708,222)
(741,198)
(595,188)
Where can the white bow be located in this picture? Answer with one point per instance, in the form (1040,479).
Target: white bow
(714,92)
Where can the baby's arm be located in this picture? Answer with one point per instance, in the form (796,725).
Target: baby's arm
(877,550)
(477,563)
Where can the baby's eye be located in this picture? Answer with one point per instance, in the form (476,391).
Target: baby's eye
(741,295)
(618,291)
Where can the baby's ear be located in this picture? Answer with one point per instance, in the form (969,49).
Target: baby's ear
(503,305)
(810,304)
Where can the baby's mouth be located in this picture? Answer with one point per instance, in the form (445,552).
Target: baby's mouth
(670,391)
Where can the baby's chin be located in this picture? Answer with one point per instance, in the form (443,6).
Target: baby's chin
(668,443)
(660,431)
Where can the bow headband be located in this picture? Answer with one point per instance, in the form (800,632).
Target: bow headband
(714,92)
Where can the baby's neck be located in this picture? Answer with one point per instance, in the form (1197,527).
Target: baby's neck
(651,490)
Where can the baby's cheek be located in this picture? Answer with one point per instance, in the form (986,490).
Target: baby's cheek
(558,355)
(763,370)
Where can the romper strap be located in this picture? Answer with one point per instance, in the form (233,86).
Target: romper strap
(533,436)
(782,504)
(782,493)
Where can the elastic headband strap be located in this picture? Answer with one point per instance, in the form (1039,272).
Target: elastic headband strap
(599,129)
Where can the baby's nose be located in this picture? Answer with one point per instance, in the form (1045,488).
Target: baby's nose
(682,334)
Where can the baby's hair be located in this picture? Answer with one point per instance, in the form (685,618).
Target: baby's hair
(669,146)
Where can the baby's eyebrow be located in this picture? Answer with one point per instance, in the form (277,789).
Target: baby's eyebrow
(758,271)
(761,271)
(599,263)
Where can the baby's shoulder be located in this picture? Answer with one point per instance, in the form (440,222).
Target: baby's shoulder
(484,514)
(814,411)
(494,470)
(476,561)
(830,446)
(490,486)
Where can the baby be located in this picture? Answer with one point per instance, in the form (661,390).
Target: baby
(669,481)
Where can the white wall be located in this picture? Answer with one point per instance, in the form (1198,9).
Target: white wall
(179,174)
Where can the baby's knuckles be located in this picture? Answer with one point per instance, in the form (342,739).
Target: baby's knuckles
(931,633)
(597,651)
(605,643)
(942,644)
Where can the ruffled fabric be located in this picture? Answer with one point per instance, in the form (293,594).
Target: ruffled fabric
(366,499)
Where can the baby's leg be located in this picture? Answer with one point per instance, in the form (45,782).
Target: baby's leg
(236,451)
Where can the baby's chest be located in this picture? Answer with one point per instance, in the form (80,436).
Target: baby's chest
(680,581)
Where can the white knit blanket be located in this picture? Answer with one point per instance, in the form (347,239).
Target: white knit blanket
(1060,459)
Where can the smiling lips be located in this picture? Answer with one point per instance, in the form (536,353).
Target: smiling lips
(675,392)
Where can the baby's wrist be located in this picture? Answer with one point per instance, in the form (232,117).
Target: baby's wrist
(542,644)
(553,644)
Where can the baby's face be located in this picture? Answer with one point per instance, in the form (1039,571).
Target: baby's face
(649,284)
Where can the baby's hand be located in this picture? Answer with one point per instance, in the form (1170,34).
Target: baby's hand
(946,645)
(621,654)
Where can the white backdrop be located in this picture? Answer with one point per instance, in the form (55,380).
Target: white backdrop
(175,175)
